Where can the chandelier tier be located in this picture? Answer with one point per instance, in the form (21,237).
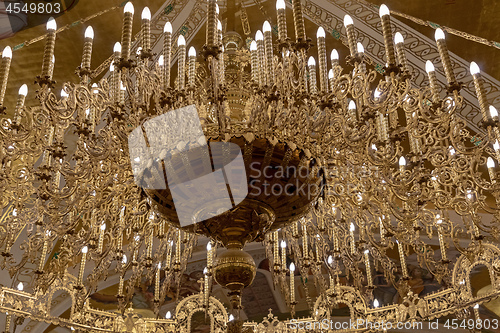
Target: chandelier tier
(348,171)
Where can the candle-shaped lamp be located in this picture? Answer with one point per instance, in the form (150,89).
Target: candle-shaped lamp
(21,98)
(283,255)
(368,269)
(254,61)
(146,29)
(400,50)
(268,46)
(101,237)
(211,23)
(433,83)
(351,109)
(478,84)
(157,283)
(445,57)
(167,56)
(128,18)
(4,71)
(192,67)
(181,79)
(87,48)
(320,37)
(351,234)
(442,247)
(311,64)
(386,29)
(85,249)
(491,169)
(259,37)
(49,47)
(402,164)
(351,39)
(298,20)
(280,8)
(292,283)
(209,256)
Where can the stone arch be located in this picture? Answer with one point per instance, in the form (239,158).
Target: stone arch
(194,303)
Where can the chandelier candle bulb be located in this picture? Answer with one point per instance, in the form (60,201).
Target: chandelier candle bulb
(331,79)
(445,57)
(476,312)
(402,164)
(334,58)
(192,67)
(368,269)
(313,88)
(157,283)
(351,234)
(209,256)
(433,83)
(268,45)
(351,109)
(4,71)
(491,169)
(298,21)
(400,50)
(254,61)
(292,283)
(181,76)
(321,38)
(21,98)
(351,39)
(259,37)
(146,29)
(283,256)
(385,17)
(478,84)
(87,48)
(361,51)
(85,249)
(128,18)
(167,54)
(281,9)
(442,246)
(44,252)
(49,47)
(101,237)
(275,250)
(211,23)
(402,260)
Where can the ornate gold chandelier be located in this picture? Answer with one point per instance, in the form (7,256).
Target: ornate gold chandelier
(347,171)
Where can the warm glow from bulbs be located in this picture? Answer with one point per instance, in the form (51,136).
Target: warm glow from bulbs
(292,268)
(167,27)
(160,60)
(361,48)
(117,48)
(146,14)
(348,21)
(330,74)
(283,244)
(311,62)
(192,52)
(398,38)
(384,10)
(352,105)
(7,52)
(23,90)
(402,161)
(129,8)
(51,24)
(181,40)
(89,32)
(259,35)
(280,4)
(253,46)
(334,55)
(85,249)
(439,34)
(320,33)
(474,68)
(493,112)
(490,163)
(429,67)
(266,27)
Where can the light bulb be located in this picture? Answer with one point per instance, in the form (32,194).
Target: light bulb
(259,35)
(138,51)
(20,286)
(205,271)
(334,55)
(374,147)
(361,48)
(209,246)
(159,265)
(94,88)
(122,87)
(311,62)
(87,112)
(377,93)
(181,40)
(217,10)
(320,33)
(452,150)
(129,8)
(280,4)
(168,315)
(384,10)
(439,34)
(112,68)
(283,244)
(7,52)
(266,27)
(490,163)
(192,52)
(496,146)
(330,74)
(352,105)
(476,306)
(402,161)
(493,112)
(330,260)
(51,24)
(219,25)
(64,94)
(124,259)
(89,32)
(117,48)
(85,249)
(376,303)
(146,14)
(398,38)
(160,60)
(292,267)
(253,46)
(231,317)
(352,227)
(103,226)
(474,68)
(429,67)
(366,252)
(167,27)
(348,20)
(23,90)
